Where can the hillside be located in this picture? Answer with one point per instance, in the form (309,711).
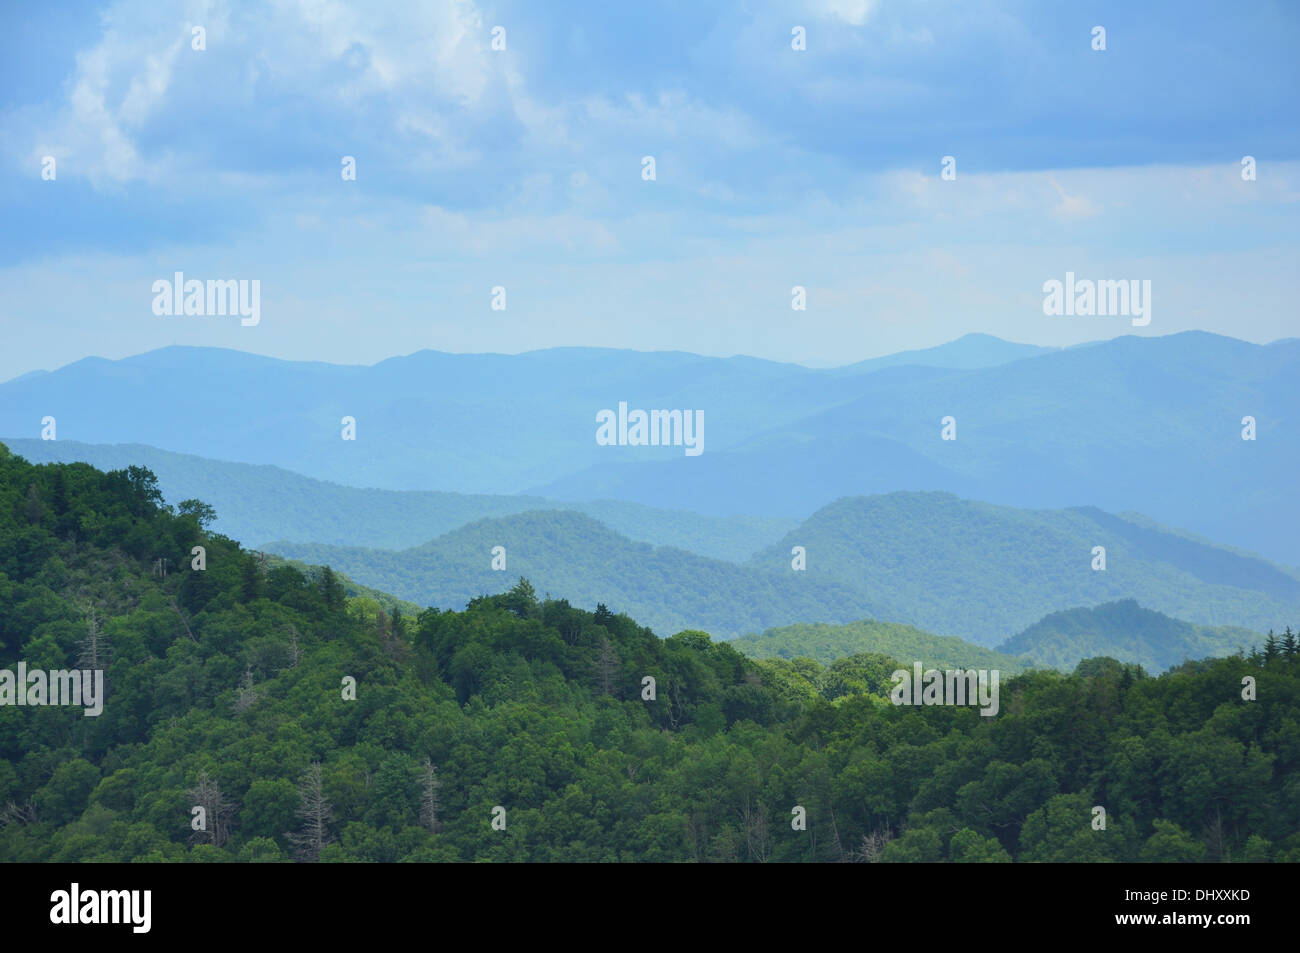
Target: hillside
(311,728)
(1124,631)
(668,589)
(829,643)
(260,503)
(985,572)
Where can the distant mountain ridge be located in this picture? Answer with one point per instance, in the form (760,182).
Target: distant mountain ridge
(1147,424)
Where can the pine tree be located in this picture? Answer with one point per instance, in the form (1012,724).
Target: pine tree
(1288,643)
(1270,647)
(331,589)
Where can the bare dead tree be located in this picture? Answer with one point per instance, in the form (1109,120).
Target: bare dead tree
(315,813)
(295,650)
(872,845)
(13,813)
(429,799)
(248,695)
(757,831)
(93,649)
(675,710)
(185,622)
(607,668)
(218,812)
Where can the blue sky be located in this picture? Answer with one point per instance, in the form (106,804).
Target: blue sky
(522,168)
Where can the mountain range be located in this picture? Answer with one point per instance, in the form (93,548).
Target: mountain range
(1147,424)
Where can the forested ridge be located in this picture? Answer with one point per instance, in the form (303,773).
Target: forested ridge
(226,690)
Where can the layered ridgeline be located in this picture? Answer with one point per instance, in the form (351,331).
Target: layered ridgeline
(946,565)
(1146,424)
(563,552)
(260,503)
(312,726)
(1124,631)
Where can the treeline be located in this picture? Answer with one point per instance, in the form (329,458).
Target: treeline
(299,722)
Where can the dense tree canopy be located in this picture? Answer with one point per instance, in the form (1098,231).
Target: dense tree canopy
(312,723)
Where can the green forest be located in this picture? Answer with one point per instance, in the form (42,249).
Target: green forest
(309,723)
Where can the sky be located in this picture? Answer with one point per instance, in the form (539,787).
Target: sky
(522,168)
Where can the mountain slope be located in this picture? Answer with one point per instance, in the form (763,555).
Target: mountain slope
(984,572)
(931,560)
(667,589)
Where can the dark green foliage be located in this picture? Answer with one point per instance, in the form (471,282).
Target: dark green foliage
(537,706)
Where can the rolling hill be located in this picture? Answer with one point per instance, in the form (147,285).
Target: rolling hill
(1126,632)
(829,643)
(667,589)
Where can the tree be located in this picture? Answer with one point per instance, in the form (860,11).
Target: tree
(93,651)
(607,668)
(33,509)
(315,813)
(1270,647)
(331,589)
(217,812)
(1288,643)
(250,585)
(201,512)
(429,798)
(1170,844)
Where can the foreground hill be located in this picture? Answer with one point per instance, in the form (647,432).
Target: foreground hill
(828,643)
(312,727)
(257,504)
(1124,631)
